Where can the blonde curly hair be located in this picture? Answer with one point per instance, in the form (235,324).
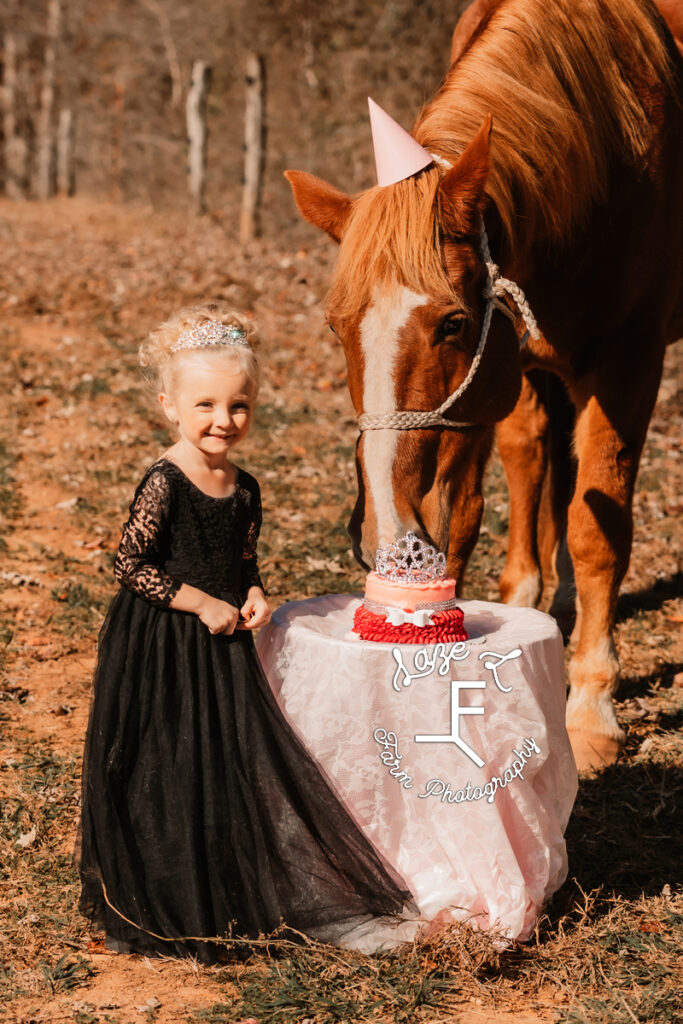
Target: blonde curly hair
(161,364)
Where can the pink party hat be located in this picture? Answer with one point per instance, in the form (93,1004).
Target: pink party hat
(397,154)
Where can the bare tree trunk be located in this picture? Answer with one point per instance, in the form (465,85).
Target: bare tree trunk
(253,142)
(117,142)
(15,146)
(171,53)
(65,146)
(45,147)
(196,131)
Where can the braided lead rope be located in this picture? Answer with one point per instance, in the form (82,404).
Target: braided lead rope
(496,286)
(404,420)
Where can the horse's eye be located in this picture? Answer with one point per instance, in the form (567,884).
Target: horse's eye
(451,327)
(332,329)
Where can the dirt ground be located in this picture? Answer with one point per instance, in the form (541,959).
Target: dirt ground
(82,285)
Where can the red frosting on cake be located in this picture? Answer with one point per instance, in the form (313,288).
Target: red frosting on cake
(446,627)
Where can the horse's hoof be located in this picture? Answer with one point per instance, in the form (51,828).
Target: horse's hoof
(593,750)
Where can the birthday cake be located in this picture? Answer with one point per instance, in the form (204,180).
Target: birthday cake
(408,598)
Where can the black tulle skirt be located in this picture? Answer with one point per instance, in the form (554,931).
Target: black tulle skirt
(203,815)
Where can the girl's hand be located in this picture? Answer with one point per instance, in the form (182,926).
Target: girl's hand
(218,616)
(255,610)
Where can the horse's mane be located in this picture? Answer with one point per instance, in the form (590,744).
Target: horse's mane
(393,229)
(574,87)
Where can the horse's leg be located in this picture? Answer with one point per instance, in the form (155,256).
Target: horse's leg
(534,443)
(614,411)
(564,605)
(522,446)
(556,563)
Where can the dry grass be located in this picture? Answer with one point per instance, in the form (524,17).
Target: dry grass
(77,432)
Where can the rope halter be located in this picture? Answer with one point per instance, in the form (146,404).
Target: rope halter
(495,288)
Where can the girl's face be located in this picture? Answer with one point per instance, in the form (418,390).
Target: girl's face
(211,401)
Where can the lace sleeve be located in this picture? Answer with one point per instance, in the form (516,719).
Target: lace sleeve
(249,573)
(136,561)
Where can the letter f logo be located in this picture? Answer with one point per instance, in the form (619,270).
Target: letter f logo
(456,712)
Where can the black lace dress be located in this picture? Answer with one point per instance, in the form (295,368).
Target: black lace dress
(202,812)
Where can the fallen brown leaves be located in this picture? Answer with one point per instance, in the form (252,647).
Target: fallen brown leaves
(83,284)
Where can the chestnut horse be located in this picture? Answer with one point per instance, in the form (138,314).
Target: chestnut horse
(562,127)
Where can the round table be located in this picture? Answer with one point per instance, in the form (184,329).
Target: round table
(453,758)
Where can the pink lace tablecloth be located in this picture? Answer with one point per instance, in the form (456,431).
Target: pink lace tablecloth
(454,759)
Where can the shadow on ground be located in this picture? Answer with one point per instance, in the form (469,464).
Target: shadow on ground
(649,598)
(661,678)
(626,832)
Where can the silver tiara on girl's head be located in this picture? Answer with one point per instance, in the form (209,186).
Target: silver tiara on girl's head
(209,333)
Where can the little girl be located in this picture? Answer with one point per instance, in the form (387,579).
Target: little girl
(203,816)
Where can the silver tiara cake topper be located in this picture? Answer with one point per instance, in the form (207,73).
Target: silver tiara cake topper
(410,560)
(209,333)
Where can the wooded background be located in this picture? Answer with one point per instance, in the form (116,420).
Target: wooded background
(122,68)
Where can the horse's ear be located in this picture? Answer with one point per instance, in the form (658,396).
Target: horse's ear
(462,190)
(319,203)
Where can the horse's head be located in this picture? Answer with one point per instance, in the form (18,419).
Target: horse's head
(408,304)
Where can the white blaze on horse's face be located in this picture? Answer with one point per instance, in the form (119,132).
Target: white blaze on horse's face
(380,331)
